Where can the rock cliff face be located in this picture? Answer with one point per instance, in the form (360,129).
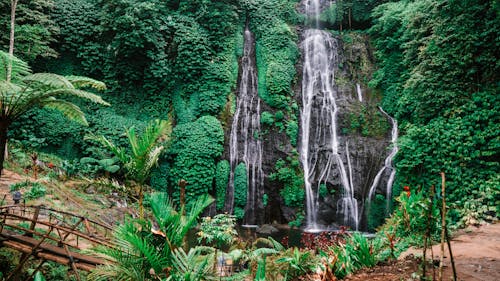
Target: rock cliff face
(363,142)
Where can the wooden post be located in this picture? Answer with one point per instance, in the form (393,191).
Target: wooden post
(443,226)
(34,220)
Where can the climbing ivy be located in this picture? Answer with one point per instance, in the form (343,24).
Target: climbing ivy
(221,181)
(195,148)
(439,72)
(240,190)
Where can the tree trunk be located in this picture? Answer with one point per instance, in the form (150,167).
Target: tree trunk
(13,6)
(4,126)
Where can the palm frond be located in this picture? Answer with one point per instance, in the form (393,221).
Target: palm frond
(19,67)
(152,159)
(85,82)
(70,110)
(126,261)
(193,265)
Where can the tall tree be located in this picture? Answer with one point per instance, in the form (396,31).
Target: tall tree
(13,6)
(26,91)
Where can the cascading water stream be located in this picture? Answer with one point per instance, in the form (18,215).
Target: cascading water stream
(245,144)
(319,139)
(387,164)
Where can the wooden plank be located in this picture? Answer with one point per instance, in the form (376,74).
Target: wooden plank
(93,238)
(31,242)
(48,256)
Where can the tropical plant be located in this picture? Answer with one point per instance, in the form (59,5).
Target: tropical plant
(299,263)
(193,266)
(26,91)
(144,152)
(148,250)
(218,230)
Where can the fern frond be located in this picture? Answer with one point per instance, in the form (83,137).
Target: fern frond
(74,93)
(51,80)
(70,110)
(19,67)
(85,82)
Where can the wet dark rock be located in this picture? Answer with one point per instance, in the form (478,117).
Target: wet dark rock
(267,229)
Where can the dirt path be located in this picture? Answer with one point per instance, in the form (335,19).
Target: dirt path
(6,180)
(476,252)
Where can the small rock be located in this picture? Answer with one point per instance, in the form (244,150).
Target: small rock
(267,229)
(90,190)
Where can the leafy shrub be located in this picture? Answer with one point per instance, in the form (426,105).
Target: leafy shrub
(240,190)
(195,147)
(218,230)
(299,263)
(291,177)
(36,191)
(266,118)
(19,185)
(221,181)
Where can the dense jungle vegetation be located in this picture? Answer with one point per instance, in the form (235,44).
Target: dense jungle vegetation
(437,71)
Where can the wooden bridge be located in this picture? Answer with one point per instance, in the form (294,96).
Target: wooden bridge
(51,235)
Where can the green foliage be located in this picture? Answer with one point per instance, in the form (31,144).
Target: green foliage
(290,175)
(39,276)
(35,29)
(292,131)
(439,72)
(410,220)
(349,13)
(240,190)
(366,121)
(36,191)
(147,249)
(354,254)
(276,54)
(144,150)
(195,148)
(299,263)
(19,185)
(266,118)
(221,181)
(106,165)
(376,212)
(218,230)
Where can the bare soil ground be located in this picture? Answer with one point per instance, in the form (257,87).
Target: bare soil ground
(66,196)
(476,251)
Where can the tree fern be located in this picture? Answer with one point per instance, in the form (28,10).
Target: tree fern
(19,67)
(27,91)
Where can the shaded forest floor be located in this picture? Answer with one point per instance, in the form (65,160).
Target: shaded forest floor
(476,249)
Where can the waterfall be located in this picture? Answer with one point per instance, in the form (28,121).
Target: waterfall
(387,164)
(245,144)
(319,139)
(360,93)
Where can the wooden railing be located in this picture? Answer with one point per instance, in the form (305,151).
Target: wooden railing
(49,234)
